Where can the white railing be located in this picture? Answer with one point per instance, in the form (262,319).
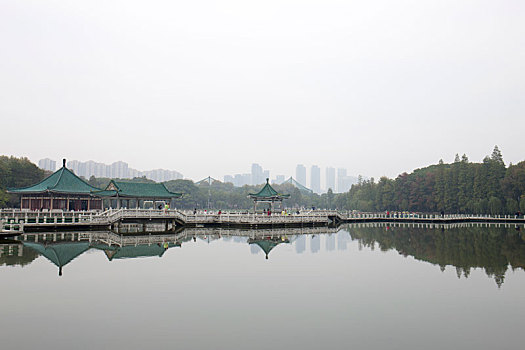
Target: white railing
(110,216)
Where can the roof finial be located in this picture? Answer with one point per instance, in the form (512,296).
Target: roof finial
(64,162)
(267,180)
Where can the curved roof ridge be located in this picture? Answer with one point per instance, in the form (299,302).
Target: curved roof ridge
(81,179)
(58,180)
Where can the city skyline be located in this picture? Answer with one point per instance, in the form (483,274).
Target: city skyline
(257,176)
(118,170)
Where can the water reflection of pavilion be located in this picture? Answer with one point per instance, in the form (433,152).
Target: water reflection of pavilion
(139,251)
(268,243)
(59,253)
(61,249)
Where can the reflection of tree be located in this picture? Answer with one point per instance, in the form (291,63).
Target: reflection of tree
(15,254)
(492,249)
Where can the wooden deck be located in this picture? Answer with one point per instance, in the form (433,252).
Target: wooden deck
(13,222)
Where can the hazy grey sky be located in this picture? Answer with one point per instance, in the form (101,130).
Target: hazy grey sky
(209,87)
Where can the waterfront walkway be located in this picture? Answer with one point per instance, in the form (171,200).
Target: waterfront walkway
(13,222)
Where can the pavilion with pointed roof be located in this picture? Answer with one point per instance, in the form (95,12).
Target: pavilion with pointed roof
(267,195)
(137,191)
(61,190)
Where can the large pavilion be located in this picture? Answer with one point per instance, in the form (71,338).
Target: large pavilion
(124,192)
(61,190)
(267,195)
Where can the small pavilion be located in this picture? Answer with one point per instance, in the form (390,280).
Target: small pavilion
(267,195)
(60,190)
(126,191)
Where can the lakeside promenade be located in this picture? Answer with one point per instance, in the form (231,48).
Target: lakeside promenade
(13,221)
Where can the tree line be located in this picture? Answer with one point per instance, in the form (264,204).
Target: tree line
(17,172)
(460,187)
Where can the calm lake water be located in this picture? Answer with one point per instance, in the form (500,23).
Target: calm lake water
(353,287)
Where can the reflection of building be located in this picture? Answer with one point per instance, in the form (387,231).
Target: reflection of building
(61,190)
(300,244)
(330,242)
(255,249)
(315,244)
(342,239)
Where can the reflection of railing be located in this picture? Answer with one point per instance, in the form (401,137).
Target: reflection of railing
(111,238)
(10,228)
(269,232)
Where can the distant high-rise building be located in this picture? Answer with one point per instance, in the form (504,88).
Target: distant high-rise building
(47,164)
(119,170)
(300,174)
(341,175)
(228,178)
(279,179)
(240,180)
(315,179)
(344,182)
(257,174)
(330,179)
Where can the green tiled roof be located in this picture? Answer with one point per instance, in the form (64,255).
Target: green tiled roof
(268,192)
(136,190)
(61,181)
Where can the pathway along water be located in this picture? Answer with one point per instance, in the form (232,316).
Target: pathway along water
(16,221)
